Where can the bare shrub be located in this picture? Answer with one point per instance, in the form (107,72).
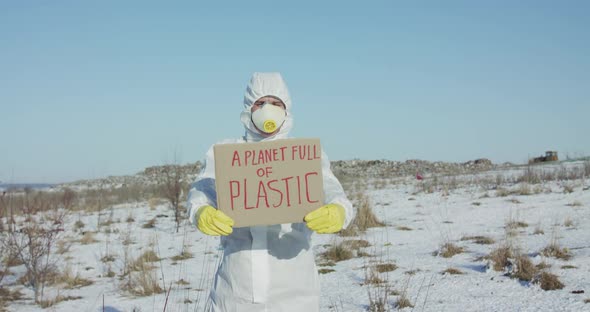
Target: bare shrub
(548,281)
(68,198)
(173,180)
(32,244)
(568,188)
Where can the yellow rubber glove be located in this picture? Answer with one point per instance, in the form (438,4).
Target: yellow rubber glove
(326,219)
(214,222)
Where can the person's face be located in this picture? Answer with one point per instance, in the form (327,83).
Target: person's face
(258,105)
(270,99)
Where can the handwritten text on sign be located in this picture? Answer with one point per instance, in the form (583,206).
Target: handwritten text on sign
(269,182)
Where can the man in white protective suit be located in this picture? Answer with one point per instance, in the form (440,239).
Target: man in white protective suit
(266,268)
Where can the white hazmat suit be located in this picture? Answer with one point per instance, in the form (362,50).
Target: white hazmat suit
(265,268)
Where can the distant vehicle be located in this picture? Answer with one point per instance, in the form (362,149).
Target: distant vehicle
(549,156)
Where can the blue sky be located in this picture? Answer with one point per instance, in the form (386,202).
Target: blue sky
(90,89)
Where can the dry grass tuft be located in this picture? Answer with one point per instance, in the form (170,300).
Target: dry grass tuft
(575,203)
(568,222)
(185,254)
(516,224)
(78,225)
(543,266)
(404,302)
(325,271)
(500,257)
(482,240)
(365,218)
(63,246)
(567,267)
(524,189)
(404,228)
(182,282)
(108,258)
(515,201)
(587,300)
(548,281)
(71,280)
(554,250)
(338,252)
(452,271)
(356,244)
(141,281)
(372,276)
(538,230)
(59,298)
(7,296)
(524,270)
(88,238)
(448,250)
(385,267)
(150,224)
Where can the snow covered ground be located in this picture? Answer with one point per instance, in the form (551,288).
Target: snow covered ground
(417,224)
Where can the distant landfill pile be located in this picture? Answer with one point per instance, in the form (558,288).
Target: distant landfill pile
(390,168)
(357,168)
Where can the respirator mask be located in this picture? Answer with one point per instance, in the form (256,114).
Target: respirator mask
(269,118)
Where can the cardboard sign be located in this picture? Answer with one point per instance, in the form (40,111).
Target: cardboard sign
(269,182)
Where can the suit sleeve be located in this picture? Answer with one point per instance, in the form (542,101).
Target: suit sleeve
(202,191)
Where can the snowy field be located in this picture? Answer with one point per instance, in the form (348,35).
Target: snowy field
(418,221)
